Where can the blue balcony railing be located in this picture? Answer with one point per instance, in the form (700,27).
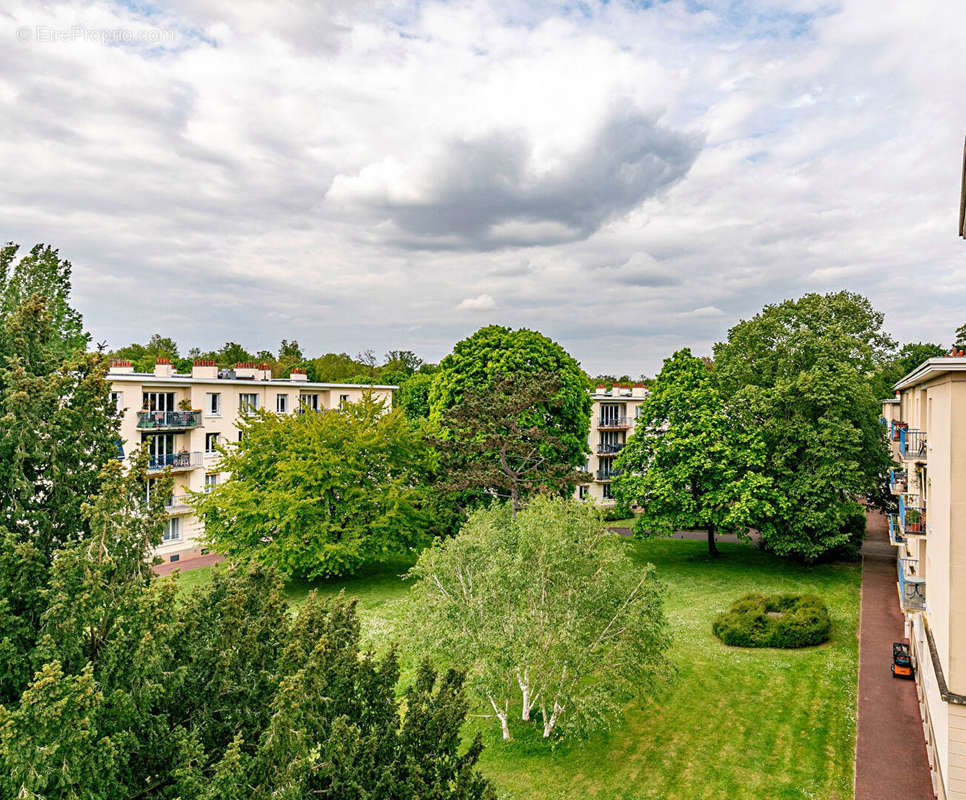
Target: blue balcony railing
(895,535)
(898,481)
(912,444)
(912,518)
(168,420)
(177,461)
(912,587)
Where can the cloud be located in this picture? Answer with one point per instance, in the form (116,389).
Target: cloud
(481,302)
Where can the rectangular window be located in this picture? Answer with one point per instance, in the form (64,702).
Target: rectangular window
(117,398)
(211,481)
(172,531)
(159,401)
(281,403)
(241,435)
(175,557)
(247,402)
(608,494)
(309,402)
(213,404)
(211,443)
(582,492)
(343,400)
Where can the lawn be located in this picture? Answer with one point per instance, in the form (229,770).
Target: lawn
(732,723)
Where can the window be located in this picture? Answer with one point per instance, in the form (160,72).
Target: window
(213,404)
(608,494)
(281,403)
(159,401)
(241,435)
(582,492)
(343,400)
(211,443)
(309,402)
(172,531)
(175,557)
(117,398)
(247,402)
(211,481)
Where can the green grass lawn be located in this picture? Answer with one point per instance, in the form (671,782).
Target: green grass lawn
(731,723)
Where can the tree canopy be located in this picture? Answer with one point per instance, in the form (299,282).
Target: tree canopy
(690,462)
(549,614)
(321,493)
(904,361)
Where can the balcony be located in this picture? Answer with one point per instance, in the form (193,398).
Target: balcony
(178,462)
(895,535)
(894,429)
(613,423)
(912,444)
(898,482)
(912,587)
(178,504)
(168,420)
(609,449)
(605,475)
(912,519)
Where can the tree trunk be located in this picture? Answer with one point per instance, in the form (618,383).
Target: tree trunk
(525,689)
(549,722)
(502,716)
(712,545)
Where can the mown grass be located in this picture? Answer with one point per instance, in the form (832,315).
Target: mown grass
(731,723)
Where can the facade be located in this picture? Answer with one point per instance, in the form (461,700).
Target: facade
(180,420)
(615,411)
(926,425)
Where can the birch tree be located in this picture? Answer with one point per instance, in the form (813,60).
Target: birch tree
(552,618)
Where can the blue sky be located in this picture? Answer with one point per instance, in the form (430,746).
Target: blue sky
(628,178)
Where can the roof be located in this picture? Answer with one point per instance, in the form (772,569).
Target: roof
(890,400)
(184,380)
(930,369)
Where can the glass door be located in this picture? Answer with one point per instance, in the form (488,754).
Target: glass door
(159,401)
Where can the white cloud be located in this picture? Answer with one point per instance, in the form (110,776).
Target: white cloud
(481,302)
(355,174)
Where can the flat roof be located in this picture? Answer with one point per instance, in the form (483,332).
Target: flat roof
(891,400)
(184,380)
(930,369)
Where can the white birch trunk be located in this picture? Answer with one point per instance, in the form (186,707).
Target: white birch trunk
(523,681)
(549,723)
(501,715)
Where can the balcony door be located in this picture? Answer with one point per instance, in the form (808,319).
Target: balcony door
(612,414)
(159,401)
(161,448)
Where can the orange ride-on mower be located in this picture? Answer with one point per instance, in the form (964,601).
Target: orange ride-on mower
(902,661)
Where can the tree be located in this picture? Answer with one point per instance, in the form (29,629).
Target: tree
(321,494)
(414,396)
(546,611)
(799,372)
(690,463)
(960,342)
(333,368)
(501,442)
(908,357)
(495,351)
(232,353)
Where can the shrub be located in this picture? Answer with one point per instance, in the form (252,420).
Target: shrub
(778,620)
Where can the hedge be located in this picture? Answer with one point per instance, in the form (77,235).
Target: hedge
(778,620)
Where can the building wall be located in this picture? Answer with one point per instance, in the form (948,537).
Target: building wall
(629,398)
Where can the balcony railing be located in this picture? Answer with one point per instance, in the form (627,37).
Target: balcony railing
(895,427)
(912,444)
(895,535)
(607,474)
(912,519)
(614,423)
(177,461)
(898,481)
(177,503)
(912,587)
(168,420)
(609,449)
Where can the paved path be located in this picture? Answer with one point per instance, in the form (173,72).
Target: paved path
(696,536)
(890,752)
(189,564)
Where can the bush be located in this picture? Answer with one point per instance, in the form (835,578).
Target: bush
(778,620)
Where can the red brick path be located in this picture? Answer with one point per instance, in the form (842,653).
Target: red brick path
(890,753)
(186,566)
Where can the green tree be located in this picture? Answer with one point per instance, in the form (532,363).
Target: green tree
(497,352)
(232,353)
(501,442)
(905,360)
(321,494)
(799,372)
(143,357)
(333,368)
(414,395)
(960,342)
(546,611)
(690,463)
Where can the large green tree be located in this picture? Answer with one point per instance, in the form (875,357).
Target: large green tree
(904,361)
(495,354)
(320,494)
(547,611)
(690,462)
(799,372)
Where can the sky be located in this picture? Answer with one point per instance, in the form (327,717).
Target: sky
(627,178)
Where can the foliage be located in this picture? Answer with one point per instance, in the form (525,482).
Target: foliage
(906,359)
(960,341)
(690,462)
(545,611)
(321,493)
(798,373)
(501,442)
(495,352)
(414,395)
(778,620)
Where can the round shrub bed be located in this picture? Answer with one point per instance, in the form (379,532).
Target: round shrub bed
(777,620)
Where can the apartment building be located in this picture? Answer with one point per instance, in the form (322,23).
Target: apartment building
(181,419)
(614,414)
(926,425)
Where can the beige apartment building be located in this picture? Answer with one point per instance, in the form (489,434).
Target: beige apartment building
(926,425)
(615,411)
(181,419)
